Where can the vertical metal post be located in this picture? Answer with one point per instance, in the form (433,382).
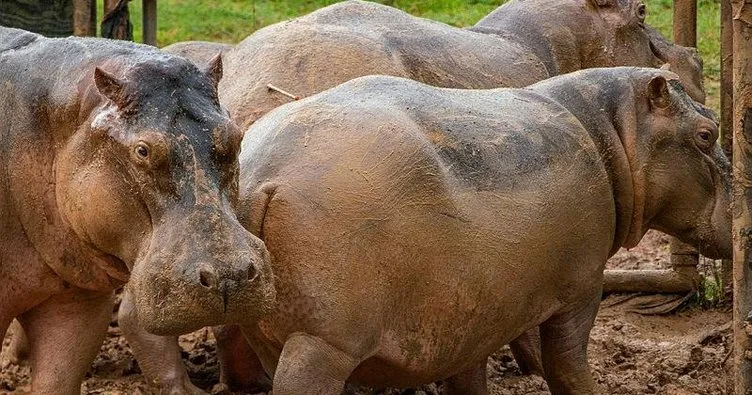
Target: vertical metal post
(85,17)
(684,256)
(727,115)
(150,21)
(742,165)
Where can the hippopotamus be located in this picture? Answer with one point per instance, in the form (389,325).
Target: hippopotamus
(414,230)
(198,52)
(517,44)
(118,165)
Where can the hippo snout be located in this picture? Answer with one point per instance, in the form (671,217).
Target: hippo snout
(219,277)
(222,283)
(210,279)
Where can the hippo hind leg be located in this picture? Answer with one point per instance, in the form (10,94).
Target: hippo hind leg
(469,382)
(309,365)
(564,339)
(65,334)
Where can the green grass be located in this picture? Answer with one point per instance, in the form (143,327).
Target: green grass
(232,20)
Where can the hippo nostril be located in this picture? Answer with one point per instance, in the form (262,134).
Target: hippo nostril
(207,278)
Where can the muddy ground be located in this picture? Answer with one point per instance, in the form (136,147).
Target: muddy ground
(678,354)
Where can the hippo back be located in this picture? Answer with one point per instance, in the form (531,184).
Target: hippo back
(520,43)
(198,52)
(356,38)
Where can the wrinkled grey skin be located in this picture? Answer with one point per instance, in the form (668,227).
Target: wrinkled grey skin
(198,52)
(518,44)
(117,164)
(415,230)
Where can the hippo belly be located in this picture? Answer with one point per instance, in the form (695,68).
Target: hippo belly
(385,249)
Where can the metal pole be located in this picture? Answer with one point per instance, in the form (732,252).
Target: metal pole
(150,21)
(742,203)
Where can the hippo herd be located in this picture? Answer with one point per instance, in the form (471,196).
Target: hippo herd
(422,205)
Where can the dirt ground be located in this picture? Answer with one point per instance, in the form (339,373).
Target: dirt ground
(678,354)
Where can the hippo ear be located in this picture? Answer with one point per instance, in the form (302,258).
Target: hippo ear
(214,69)
(658,92)
(109,86)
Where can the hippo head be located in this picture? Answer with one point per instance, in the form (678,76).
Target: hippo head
(151,180)
(682,179)
(627,41)
(623,39)
(570,35)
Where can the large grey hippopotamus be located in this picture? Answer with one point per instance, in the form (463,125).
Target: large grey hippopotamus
(414,230)
(117,163)
(519,43)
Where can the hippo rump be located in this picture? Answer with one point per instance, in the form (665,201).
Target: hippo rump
(414,230)
(520,43)
(117,163)
(198,52)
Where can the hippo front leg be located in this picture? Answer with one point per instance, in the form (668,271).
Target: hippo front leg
(309,365)
(469,382)
(158,356)
(564,340)
(240,368)
(65,334)
(527,352)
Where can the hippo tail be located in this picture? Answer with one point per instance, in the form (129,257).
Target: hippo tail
(11,39)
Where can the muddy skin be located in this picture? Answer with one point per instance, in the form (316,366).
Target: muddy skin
(394,211)
(198,52)
(520,43)
(117,164)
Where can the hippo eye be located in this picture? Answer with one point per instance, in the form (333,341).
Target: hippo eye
(142,150)
(642,12)
(705,139)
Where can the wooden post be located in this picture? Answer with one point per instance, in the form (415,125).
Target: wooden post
(85,17)
(116,23)
(685,22)
(683,256)
(727,115)
(742,203)
(150,21)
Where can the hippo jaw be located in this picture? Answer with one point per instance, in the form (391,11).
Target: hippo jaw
(711,231)
(201,269)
